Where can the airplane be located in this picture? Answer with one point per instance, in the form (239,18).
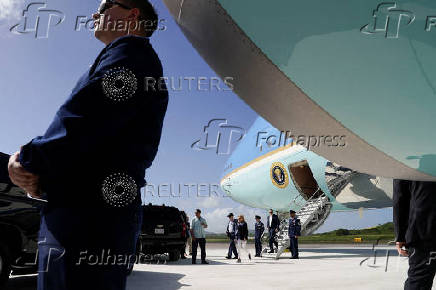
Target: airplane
(269,169)
(361,69)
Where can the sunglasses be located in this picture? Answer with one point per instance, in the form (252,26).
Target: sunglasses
(109,4)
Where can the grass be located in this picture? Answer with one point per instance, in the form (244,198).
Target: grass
(384,233)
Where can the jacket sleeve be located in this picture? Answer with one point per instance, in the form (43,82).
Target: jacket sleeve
(246,231)
(401,207)
(89,120)
(262,228)
(289,228)
(298,225)
(277,222)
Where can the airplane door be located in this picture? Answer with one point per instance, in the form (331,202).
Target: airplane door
(304,181)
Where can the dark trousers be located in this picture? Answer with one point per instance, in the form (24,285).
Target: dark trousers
(272,235)
(294,246)
(81,249)
(232,248)
(202,242)
(258,246)
(422,268)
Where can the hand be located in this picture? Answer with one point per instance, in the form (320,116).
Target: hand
(22,178)
(399,246)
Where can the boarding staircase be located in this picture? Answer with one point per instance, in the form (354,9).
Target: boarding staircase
(311,215)
(314,211)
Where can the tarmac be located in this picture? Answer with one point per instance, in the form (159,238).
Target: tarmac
(319,267)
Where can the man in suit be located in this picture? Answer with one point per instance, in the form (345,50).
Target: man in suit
(231,230)
(414,210)
(259,228)
(90,163)
(273,225)
(294,231)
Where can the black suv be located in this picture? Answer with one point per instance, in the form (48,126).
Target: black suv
(19,226)
(163,231)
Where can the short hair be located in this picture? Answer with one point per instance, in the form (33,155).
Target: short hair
(147,13)
(198,210)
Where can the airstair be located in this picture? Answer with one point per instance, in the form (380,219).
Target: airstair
(311,216)
(314,211)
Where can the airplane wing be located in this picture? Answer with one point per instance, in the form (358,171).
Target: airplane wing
(364,70)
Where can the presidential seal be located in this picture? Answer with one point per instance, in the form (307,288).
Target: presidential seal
(279,176)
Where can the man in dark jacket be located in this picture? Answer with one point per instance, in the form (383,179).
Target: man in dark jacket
(259,228)
(415,230)
(231,230)
(90,163)
(294,231)
(272,225)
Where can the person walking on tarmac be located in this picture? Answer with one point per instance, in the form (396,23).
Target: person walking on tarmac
(242,236)
(273,225)
(231,234)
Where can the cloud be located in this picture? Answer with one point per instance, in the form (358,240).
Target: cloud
(217,219)
(209,202)
(11,9)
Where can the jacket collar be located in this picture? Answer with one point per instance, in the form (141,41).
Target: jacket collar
(127,38)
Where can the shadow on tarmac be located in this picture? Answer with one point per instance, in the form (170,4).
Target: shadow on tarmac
(154,280)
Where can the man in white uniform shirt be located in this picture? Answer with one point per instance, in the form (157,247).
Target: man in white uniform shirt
(198,237)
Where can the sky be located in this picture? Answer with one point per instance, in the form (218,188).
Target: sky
(38,70)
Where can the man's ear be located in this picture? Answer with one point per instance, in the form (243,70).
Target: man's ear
(134,14)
